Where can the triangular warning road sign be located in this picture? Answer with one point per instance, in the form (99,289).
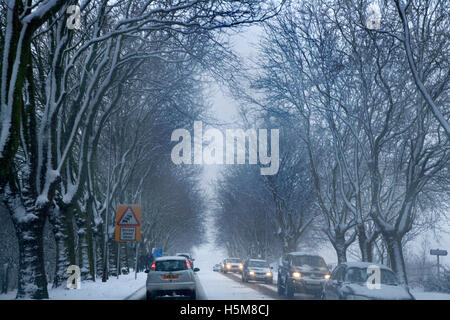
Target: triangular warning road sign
(128,219)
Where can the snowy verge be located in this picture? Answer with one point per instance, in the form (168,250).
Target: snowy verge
(422,295)
(113,289)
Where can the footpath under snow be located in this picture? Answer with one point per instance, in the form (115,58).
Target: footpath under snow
(113,289)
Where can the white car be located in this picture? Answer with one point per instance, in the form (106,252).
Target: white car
(171,276)
(216,267)
(349,281)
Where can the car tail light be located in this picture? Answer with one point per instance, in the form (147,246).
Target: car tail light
(153,266)
(188,264)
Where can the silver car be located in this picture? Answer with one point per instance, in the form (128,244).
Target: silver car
(257,270)
(171,276)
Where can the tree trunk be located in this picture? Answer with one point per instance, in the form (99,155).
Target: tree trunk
(32,282)
(365,244)
(62,225)
(340,246)
(90,248)
(83,246)
(395,254)
(5,278)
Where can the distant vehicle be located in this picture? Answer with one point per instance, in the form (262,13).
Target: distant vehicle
(301,272)
(349,282)
(258,270)
(188,257)
(232,265)
(217,267)
(171,276)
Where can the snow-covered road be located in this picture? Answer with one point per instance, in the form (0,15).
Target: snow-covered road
(217,286)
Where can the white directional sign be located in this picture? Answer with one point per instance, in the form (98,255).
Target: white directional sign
(128,234)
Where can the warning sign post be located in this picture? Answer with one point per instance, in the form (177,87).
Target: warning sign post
(128,223)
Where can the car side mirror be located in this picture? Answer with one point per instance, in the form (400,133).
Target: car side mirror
(147,271)
(196,269)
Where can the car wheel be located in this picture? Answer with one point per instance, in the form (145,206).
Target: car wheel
(269,281)
(193,295)
(279,287)
(149,296)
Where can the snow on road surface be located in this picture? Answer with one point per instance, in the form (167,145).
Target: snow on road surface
(218,287)
(215,285)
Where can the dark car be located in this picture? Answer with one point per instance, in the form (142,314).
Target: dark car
(301,272)
(350,281)
(257,270)
(188,258)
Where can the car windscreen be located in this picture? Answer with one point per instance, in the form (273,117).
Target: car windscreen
(312,261)
(233,260)
(360,275)
(170,265)
(258,264)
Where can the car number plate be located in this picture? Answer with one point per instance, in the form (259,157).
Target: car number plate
(170,276)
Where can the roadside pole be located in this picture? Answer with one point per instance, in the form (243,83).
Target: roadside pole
(136,266)
(118,259)
(437,253)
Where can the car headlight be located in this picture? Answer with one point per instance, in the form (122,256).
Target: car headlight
(296,274)
(241,266)
(268,274)
(251,272)
(327,276)
(356,297)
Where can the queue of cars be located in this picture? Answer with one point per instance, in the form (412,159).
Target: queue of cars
(174,276)
(300,272)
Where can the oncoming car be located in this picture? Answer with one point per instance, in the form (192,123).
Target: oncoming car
(232,265)
(350,281)
(216,267)
(258,270)
(301,272)
(171,276)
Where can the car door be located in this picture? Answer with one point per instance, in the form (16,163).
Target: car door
(333,286)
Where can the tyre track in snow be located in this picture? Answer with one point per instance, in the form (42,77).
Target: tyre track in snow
(266,289)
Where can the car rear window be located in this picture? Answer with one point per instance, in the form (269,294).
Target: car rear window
(312,261)
(170,265)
